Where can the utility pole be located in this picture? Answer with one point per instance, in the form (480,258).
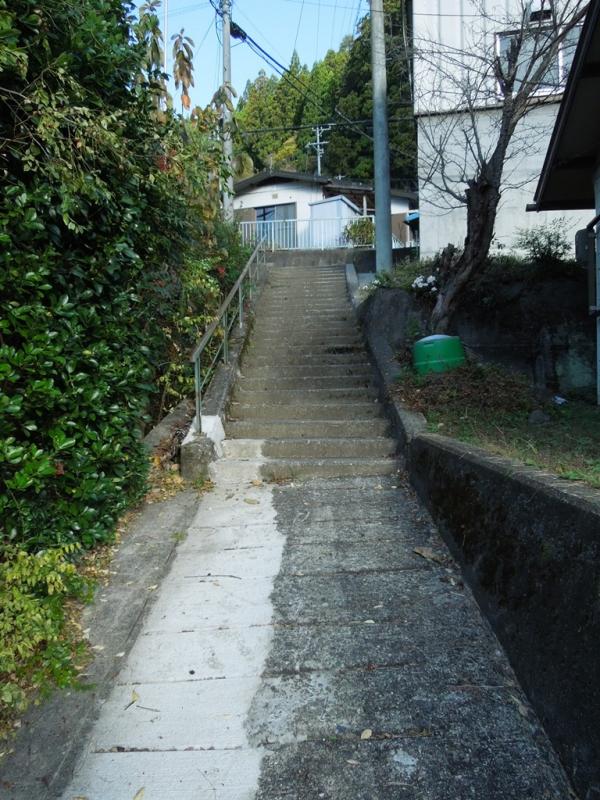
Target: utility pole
(319,145)
(166,34)
(226,113)
(383,219)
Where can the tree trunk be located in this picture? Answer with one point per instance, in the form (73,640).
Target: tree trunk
(483,196)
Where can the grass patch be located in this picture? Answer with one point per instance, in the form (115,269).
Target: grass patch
(489,407)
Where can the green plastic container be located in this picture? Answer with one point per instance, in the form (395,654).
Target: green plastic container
(438,353)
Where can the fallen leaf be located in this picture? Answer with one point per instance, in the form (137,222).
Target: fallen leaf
(256,483)
(139,794)
(366,734)
(429,554)
(120,655)
(134,696)
(153,587)
(351,761)
(369,622)
(251,501)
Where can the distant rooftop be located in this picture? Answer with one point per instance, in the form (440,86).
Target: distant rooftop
(346,185)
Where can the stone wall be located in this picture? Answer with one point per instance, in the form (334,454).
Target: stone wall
(542,329)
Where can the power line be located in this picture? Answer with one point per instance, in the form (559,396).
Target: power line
(284,72)
(284,128)
(415,13)
(299,23)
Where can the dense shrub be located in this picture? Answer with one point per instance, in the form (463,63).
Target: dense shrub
(360,232)
(35,651)
(104,200)
(546,244)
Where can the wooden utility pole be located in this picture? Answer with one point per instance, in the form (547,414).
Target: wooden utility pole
(227,141)
(383,219)
(165,35)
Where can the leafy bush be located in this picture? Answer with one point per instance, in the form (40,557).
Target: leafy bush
(545,244)
(105,204)
(35,650)
(360,232)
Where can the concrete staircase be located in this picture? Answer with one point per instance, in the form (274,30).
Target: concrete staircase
(305,404)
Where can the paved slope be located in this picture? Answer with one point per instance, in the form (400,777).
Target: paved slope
(314,640)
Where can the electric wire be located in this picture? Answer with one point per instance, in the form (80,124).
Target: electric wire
(285,73)
(299,23)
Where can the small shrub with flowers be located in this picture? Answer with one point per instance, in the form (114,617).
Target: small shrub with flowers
(425,285)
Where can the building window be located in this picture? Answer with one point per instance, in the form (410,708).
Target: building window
(278,213)
(531,45)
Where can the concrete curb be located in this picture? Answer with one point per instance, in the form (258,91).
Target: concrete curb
(529,547)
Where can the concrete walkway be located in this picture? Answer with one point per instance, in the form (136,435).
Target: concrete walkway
(314,640)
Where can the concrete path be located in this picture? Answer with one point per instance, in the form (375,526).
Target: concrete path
(314,640)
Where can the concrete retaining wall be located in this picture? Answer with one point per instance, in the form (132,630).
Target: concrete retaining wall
(529,545)
(363,259)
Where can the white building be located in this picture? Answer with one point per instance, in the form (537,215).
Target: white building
(457,109)
(298,210)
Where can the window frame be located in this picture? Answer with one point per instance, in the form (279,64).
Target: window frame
(560,63)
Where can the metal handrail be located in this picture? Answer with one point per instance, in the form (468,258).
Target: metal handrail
(224,320)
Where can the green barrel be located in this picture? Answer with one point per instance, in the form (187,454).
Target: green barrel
(438,353)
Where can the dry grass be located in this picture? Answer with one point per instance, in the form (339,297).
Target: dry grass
(489,407)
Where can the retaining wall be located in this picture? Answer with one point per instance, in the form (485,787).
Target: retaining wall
(529,545)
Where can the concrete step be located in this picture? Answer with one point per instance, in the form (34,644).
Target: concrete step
(304,411)
(250,383)
(312,288)
(344,357)
(286,397)
(299,308)
(320,370)
(308,283)
(320,331)
(292,352)
(295,469)
(377,447)
(336,447)
(319,340)
(307,428)
(302,342)
(333,325)
(235,471)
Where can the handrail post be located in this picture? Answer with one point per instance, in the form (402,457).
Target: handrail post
(198,382)
(241,306)
(225,337)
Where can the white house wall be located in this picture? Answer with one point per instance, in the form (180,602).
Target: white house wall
(445,32)
(275,194)
(443,222)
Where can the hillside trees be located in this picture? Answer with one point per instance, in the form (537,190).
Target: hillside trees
(349,152)
(341,81)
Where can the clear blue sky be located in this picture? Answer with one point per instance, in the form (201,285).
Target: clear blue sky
(312,26)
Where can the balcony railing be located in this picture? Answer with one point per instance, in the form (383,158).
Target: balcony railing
(298,234)
(314,234)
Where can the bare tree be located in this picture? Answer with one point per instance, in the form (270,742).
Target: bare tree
(476,98)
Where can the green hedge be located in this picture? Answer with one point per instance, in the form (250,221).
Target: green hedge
(94,231)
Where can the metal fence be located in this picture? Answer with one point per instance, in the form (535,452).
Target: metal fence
(314,234)
(307,234)
(214,345)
